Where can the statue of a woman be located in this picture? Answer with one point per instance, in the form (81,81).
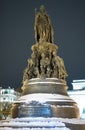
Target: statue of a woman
(43,28)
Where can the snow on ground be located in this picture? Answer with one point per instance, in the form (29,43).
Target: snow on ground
(7,128)
(30,123)
(39,123)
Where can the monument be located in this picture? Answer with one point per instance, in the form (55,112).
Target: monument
(44,103)
(44,90)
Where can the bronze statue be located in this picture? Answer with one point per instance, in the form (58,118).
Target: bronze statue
(43,27)
(44,61)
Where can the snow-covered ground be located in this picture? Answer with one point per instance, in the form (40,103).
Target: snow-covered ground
(34,128)
(30,123)
(39,123)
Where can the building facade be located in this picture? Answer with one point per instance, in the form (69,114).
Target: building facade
(7,97)
(78,95)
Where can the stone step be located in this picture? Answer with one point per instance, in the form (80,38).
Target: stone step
(33,124)
(41,123)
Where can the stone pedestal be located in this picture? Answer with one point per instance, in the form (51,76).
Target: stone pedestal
(46,97)
(44,85)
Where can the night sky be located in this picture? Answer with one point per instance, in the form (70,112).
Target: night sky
(17,36)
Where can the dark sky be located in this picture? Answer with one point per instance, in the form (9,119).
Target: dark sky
(17,36)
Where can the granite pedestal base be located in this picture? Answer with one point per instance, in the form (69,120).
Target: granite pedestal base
(51,96)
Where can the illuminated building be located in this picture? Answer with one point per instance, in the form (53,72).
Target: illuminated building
(8,95)
(78,95)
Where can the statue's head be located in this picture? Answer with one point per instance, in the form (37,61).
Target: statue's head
(42,8)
